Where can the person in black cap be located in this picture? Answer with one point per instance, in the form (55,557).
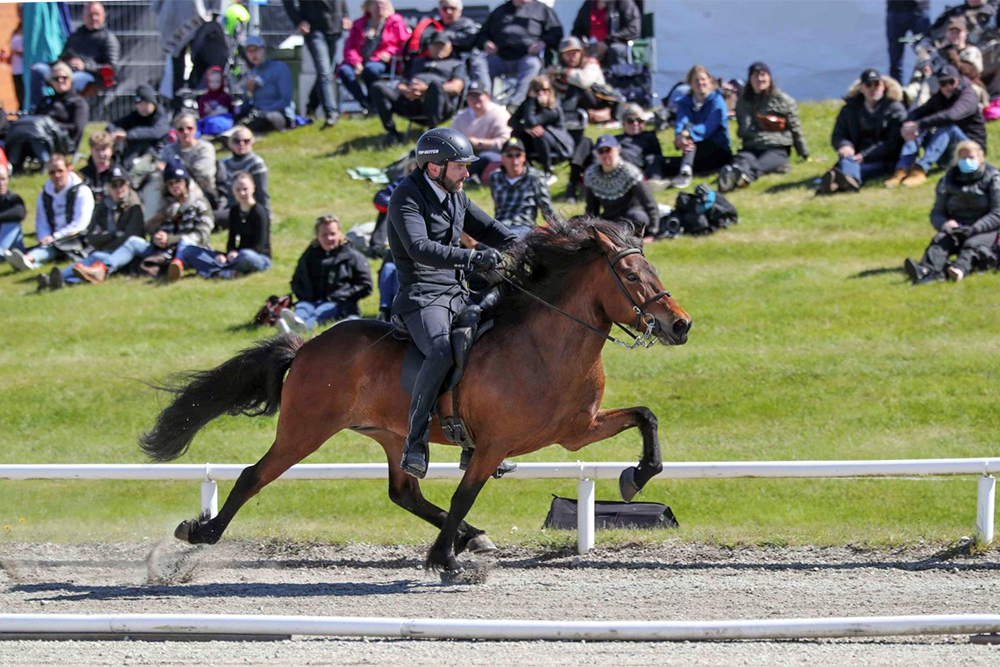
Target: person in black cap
(519,191)
(948,118)
(615,189)
(768,124)
(866,135)
(144,131)
(428,213)
(430,89)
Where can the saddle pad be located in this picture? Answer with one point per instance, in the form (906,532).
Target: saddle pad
(414,359)
(611,514)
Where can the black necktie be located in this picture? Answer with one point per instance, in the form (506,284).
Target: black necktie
(448,207)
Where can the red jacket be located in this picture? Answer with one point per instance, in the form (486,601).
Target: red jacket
(394,36)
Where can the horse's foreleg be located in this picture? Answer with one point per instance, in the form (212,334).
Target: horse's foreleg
(607,423)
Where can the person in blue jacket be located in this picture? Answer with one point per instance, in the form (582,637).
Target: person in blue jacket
(267,104)
(701,131)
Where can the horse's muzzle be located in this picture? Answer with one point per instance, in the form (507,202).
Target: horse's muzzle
(675,334)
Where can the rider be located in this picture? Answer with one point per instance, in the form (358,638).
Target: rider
(427,213)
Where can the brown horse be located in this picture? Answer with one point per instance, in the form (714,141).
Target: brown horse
(543,366)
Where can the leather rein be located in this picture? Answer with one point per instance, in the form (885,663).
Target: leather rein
(645,339)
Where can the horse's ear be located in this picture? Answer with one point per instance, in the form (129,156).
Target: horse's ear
(605,242)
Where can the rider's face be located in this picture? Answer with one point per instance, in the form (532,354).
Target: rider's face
(453,178)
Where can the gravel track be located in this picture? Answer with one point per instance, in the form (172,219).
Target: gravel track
(672,581)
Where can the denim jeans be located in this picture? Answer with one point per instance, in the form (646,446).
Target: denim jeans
(39,148)
(388,285)
(370,74)
(10,237)
(318,313)
(525,69)
(862,171)
(938,142)
(93,258)
(205,262)
(42,254)
(323,47)
(897,24)
(126,252)
(40,75)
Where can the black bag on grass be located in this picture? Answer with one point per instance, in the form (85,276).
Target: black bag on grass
(611,514)
(702,212)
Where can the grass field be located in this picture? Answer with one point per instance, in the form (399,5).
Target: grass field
(807,344)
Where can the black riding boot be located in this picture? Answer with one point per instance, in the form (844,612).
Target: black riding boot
(426,390)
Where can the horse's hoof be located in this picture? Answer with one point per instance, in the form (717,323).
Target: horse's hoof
(184,530)
(481,544)
(453,576)
(627,485)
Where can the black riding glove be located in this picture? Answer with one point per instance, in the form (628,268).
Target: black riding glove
(485,260)
(962,234)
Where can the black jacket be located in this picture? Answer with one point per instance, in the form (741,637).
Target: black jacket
(97,181)
(144,134)
(12,207)
(513,29)
(69,111)
(969,199)
(961,109)
(424,240)
(342,274)
(875,135)
(624,21)
(325,16)
(643,149)
(250,231)
(113,223)
(93,47)
(552,120)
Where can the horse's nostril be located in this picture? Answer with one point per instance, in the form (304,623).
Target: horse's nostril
(681,327)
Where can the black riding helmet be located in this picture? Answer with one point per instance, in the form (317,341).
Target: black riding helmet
(443,145)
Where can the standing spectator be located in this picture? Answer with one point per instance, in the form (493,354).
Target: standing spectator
(197,155)
(15,58)
(519,191)
(902,17)
(866,135)
(63,212)
(248,249)
(321,23)
(514,35)
(966,215)
(117,218)
(267,102)
(486,125)
(615,190)
(88,50)
(574,79)
(12,213)
(768,123)
(430,89)
(178,21)
(97,172)
(701,131)
(540,124)
(330,279)
(244,159)
(374,39)
(609,25)
(948,118)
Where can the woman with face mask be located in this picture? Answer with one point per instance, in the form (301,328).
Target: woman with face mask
(966,214)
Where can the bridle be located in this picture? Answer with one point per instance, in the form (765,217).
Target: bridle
(644,339)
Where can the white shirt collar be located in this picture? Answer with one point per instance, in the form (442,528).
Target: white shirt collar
(438,190)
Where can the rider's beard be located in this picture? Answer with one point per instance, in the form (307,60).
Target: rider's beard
(449,185)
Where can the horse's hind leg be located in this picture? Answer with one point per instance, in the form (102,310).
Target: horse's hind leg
(404,491)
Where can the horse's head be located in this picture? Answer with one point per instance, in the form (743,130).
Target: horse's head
(633,294)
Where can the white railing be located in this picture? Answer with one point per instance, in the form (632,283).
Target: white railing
(586,473)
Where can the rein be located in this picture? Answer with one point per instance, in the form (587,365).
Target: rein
(645,339)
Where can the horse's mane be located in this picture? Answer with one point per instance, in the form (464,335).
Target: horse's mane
(544,259)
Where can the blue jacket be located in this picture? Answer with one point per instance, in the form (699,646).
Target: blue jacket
(273,88)
(710,122)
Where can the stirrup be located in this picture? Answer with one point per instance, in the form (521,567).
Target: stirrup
(416,462)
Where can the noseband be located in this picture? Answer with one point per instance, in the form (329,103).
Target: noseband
(641,316)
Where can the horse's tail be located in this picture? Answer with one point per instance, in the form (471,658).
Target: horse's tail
(249,384)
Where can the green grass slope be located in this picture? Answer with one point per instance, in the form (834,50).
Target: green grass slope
(807,344)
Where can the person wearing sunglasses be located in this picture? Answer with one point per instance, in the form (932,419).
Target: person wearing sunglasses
(66,109)
(244,158)
(866,135)
(541,125)
(615,190)
(196,154)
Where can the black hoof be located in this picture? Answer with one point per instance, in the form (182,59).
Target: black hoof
(185,531)
(626,484)
(481,544)
(453,576)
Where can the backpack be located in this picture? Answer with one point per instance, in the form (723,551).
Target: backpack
(633,80)
(268,314)
(702,212)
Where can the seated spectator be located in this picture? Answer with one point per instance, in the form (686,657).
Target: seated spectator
(12,213)
(608,25)
(244,159)
(91,48)
(955,50)
(540,124)
(966,214)
(330,279)
(215,106)
(184,220)
(374,39)
(462,30)
(768,124)
(118,218)
(486,125)
(948,118)
(267,100)
(197,156)
(519,191)
(248,249)
(68,113)
(574,79)
(701,131)
(431,89)
(866,135)
(63,212)
(97,172)
(978,14)
(513,38)
(615,190)
(141,135)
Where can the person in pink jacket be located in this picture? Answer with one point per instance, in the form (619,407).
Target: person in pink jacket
(374,39)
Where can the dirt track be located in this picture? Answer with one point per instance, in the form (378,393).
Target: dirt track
(670,582)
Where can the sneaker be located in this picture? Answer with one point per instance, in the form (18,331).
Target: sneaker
(55,279)
(43,281)
(95,273)
(728,177)
(282,326)
(20,261)
(828,184)
(658,183)
(681,180)
(917,177)
(550,178)
(293,321)
(331,120)
(175,271)
(896,178)
(955,274)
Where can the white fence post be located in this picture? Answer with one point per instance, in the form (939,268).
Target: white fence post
(585,491)
(985,508)
(209,500)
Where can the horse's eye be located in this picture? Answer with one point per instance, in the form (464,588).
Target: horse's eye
(632,277)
